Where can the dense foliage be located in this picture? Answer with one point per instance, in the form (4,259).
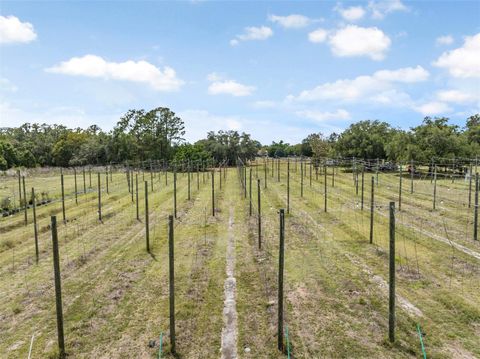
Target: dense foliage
(158,135)
(138,136)
(434,138)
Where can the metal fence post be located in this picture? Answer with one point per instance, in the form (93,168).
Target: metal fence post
(391,304)
(171,267)
(281,257)
(147,229)
(58,288)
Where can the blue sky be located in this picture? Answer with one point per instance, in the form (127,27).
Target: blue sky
(277,70)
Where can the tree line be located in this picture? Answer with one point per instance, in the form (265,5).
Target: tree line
(433,138)
(158,134)
(138,136)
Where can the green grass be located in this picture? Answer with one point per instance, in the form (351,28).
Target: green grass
(115,294)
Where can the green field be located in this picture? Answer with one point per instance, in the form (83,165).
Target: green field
(115,294)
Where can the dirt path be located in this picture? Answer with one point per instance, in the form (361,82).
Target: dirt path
(229,331)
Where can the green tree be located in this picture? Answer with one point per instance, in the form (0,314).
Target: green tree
(436,138)
(195,154)
(319,145)
(472,129)
(64,149)
(364,139)
(155,132)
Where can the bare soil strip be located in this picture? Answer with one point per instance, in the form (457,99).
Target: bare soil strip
(229,332)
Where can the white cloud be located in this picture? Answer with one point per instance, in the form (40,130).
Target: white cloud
(457,96)
(381,8)
(253,33)
(293,21)
(7,86)
(352,13)
(462,62)
(219,85)
(13,30)
(345,90)
(318,35)
(319,116)
(433,108)
(377,88)
(406,74)
(230,87)
(353,40)
(444,40)
(135,71)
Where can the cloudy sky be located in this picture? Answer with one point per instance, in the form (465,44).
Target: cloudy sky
(277,70)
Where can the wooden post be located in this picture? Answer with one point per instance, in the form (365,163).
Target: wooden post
(273,170)
(333,175)
(58,288)
(400,189)
(245,181)
(131,183)
(171,271)
(76,188)
(151,176)
(278,170)
(430,171)
(19,189)
(90,177)
(356,180)
(288,186)
(372,207)
(213,193)
(325,188)
(175,192)
(265,170)
(316,171)
(136,196)
(435,187)
(147,227)
(259,204)
(99,198)
(84,181)
(470,187)
(363,187)
(127,174)
(198,177)
(188,181)
(166,176)
(412,172)
(376,170)
(310,173)
(106,179)
(301,177)
(35,228)
(475,214)
(63,199)
(281,257)
(250,192)
(391,304)
(25,207)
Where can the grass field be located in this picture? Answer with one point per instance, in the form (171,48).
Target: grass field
(115,294)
